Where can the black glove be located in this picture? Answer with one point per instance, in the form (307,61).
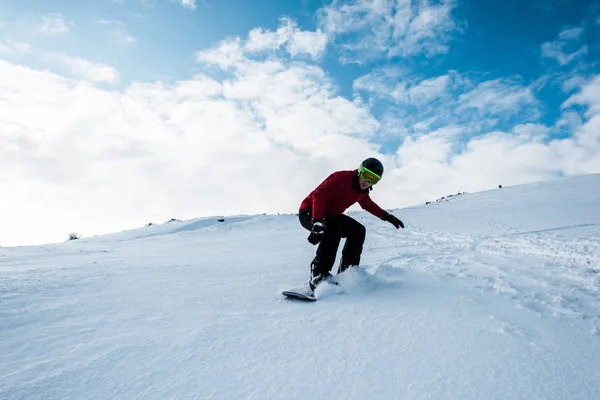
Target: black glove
(318,231)
(392,220)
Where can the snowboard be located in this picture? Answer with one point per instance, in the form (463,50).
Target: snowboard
(299,295)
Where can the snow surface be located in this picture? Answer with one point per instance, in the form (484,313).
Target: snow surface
(492,295)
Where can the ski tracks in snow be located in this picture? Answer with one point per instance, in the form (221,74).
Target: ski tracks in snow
(551,275)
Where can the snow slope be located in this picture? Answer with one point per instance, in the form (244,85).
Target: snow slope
(492,295)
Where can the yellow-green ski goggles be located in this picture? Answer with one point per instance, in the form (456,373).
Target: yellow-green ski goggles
(368,176)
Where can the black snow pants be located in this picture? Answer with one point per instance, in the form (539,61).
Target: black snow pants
(338,227)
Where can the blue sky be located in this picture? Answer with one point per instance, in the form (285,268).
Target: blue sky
(452,95)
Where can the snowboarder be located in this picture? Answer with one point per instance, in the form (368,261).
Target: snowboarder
(322,213)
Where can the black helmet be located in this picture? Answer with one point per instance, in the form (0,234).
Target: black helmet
(373,165)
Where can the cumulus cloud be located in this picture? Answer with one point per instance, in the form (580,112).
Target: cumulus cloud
(449,99)
(226,55)
(288,37)
(144,153)
(389,28)
(442,161)
(458,132)
(305,42)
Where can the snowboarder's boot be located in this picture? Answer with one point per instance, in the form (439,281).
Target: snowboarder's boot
(316,280)
(319,274)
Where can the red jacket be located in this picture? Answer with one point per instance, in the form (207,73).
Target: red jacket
(338,192)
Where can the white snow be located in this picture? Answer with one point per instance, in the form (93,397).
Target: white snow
(492,295)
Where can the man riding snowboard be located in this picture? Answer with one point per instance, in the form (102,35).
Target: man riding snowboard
(322,213)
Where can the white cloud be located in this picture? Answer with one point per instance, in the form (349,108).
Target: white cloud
(74,67)
(384,82)
(96,160)
(53,24)
(567,39)
(496,96)
(439,163)
(430,166)
(589,95)
(191,4)
(296,41)
(83,69)
(469,135)
(572,83)
(555,50)
(266,40)
(449,99)
(429,150)
(568,67)
(389,84)
(235,52)
(429,90)
(226,55)
(580,154)
(531,132)
(436,163)
(570,34)
(400,86)
(389,28)
(305,42)
(569,122)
